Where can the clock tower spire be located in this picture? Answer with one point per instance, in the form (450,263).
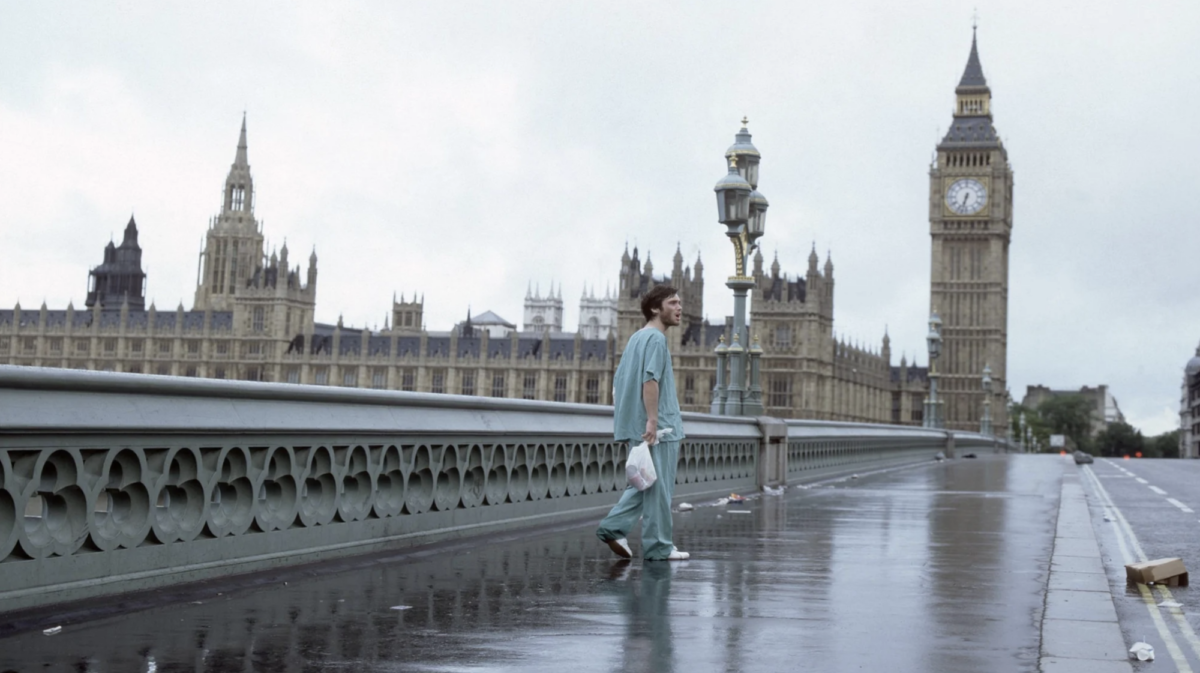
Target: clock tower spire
(970,226)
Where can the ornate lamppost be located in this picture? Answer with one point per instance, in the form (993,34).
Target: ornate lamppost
(933,409)
(743,211)
(985,425)
(1008,407)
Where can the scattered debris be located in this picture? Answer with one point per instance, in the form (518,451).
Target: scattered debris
(740,511)
(54,630)
(686,507)
(1170,604)
(721,501)
(969,455)
(1109,518)
(772,491)
(734,497)
(1169,571)
(1142,651)
(401,607)
(939,456)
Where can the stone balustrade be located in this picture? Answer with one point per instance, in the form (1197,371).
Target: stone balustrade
(118,482)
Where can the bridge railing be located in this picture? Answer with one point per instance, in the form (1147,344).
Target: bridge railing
(117,482)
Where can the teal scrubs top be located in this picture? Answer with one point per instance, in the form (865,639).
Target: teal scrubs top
(646,358)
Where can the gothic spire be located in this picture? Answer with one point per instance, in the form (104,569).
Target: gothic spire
(973,74)
(131,235)
(241,160)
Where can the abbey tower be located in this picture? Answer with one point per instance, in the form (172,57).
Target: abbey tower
(970,223)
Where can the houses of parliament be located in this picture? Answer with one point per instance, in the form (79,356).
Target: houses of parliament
(252,317)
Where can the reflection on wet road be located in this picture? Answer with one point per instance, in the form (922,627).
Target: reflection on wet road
(940,567)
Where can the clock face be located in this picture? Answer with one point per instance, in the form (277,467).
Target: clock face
(966,196)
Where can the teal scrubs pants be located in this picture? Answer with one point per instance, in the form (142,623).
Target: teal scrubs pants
(653,505)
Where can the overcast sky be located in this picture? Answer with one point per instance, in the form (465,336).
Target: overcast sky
(464,150)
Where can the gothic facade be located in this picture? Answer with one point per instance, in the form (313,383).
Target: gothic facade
(253,316)
(970,224)
(807,372)
(1189,409)
(543,314)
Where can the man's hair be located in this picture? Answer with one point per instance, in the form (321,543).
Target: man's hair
(654,298)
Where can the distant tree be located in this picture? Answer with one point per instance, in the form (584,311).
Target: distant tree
(1035,425)
(1120,439)
(1069,415)
(1165,445)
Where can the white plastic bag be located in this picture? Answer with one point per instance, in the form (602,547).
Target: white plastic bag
(639,468)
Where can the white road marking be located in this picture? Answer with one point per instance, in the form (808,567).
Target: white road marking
(1180,505)
(1158,490)
(1142,481)
(1125,530)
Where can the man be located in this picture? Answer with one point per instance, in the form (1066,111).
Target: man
(644,402)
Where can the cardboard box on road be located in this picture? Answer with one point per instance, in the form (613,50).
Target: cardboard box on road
(1168,571)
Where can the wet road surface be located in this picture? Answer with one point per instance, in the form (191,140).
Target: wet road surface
(1148,503)
(939,567)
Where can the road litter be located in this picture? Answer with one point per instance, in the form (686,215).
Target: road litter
(1169,571)
(401,607)
(686,507)
(969,455)
(721,501)
(773,491)
(734,497)
(1142,651)
(740,511)
(939,456)
(1108,518)
(854,476)
(54,630)
(1170,604)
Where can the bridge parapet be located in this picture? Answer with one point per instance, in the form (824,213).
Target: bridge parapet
(118,482)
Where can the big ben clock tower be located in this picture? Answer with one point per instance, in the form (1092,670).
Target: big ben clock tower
(970,223)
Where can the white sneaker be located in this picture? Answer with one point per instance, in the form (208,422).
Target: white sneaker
(677,555)
(620,548)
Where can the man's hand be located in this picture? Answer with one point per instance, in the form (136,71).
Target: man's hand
(650,436)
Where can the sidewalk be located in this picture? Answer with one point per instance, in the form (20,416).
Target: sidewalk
(1080,632)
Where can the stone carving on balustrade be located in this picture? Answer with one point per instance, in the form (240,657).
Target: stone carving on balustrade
(75,500)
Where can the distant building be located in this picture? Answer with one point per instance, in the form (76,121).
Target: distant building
(253,319)
(1189,409)
(597,315)
(1105,409)
(119,280)
(495,326)
(970,224)
(543,314)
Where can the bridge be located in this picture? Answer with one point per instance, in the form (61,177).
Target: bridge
(176,524)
